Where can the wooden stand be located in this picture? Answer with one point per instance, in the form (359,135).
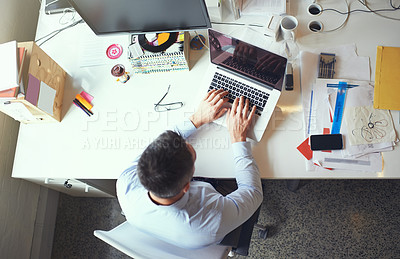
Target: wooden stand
(41,66)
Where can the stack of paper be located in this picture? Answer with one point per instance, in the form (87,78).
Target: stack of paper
(366,131)
(11,64)
(369,130)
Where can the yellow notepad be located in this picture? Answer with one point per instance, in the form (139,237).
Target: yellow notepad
(387,78)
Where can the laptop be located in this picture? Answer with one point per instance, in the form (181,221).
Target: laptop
(56,6)
(244,69)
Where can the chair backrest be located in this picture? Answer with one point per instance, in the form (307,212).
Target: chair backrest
(139,245)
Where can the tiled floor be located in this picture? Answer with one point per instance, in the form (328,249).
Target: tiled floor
(322,219)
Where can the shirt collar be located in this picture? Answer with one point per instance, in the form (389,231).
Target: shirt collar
(178,204)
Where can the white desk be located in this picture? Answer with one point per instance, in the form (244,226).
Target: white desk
(101,146)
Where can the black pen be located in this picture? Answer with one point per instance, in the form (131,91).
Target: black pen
(83,106)
(80,105)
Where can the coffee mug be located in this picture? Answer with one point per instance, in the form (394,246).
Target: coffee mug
(288,26)
(314,9)
(315,26)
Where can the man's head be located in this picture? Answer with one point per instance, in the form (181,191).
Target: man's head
(167,165)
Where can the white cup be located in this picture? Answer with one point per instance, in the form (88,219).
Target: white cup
(315,26)
(314,9)
(288,26)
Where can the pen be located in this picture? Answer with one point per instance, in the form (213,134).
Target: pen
(89,113)
(83,106)
(336,85)
(309,115)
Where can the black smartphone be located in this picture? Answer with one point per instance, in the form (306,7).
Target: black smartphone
(326,142)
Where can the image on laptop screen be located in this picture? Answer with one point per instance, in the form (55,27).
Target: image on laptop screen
(246,59)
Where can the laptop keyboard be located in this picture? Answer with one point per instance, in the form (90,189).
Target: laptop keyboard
(237,89)
(250,70)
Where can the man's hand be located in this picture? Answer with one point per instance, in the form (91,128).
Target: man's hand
(210,108)
(239,119)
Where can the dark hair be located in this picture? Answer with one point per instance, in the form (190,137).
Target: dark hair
(166,165)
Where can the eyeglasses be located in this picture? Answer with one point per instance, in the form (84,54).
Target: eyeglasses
(158,107)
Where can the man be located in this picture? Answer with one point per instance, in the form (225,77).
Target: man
(157,195)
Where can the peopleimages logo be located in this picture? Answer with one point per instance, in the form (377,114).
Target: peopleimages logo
(135,129)
(116,143)
(114,120)
(126,143)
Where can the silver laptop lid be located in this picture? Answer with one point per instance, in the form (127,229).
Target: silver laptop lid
(246,59)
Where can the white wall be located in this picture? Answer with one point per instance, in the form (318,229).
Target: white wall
(18,198)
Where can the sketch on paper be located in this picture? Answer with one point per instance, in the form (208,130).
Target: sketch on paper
(372,129)
(367,125)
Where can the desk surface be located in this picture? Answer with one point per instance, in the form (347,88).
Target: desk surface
(124,122)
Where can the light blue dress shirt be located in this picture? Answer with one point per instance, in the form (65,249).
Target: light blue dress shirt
(202,216)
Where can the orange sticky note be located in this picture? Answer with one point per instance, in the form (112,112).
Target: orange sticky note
(84,102)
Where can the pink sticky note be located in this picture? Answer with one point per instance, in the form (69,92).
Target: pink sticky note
(86,96)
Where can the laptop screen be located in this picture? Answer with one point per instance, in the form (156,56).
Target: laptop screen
(246,59)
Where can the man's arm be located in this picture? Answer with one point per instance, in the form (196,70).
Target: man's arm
(249,195)
(242,203)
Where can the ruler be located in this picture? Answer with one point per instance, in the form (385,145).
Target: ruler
(339,106)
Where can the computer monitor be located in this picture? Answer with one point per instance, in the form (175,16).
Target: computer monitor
(142,16)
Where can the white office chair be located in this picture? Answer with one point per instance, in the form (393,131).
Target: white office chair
(139,245)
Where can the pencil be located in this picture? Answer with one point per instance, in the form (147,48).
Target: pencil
(83,108)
